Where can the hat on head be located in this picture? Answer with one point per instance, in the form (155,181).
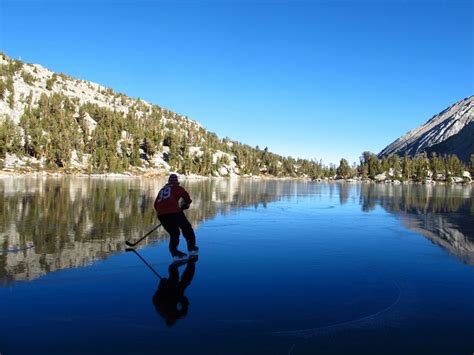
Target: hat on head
(173,179)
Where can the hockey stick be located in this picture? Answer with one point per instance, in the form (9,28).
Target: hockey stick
(146,263)
(139,240)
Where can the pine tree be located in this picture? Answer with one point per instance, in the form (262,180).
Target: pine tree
(374,166)
(206,162)
(384,165)
(9,138)
(135,154)
(344,170)
(422,166)
(50,82)
(454,166)
(364,164)
(434,165)
(187,166)
(174,158)
(3,87)
(395,164)
(331,171)
(407,168)
(29,100)
(34,139)
(27,77)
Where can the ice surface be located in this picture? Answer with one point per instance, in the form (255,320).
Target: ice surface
(284,267)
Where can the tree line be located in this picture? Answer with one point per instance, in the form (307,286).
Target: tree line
(111,141)
(56,128)
(62,133)
(419,168)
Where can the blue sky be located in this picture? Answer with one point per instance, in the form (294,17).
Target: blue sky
(311,79)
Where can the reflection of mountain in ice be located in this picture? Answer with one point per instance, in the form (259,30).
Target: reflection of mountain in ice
(76,221)
(443,214)
(443,232)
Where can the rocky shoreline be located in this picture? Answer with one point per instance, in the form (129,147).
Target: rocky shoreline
(160,173)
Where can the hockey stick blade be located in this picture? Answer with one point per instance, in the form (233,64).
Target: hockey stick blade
(130,244)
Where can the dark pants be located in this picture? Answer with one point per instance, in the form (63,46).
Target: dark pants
(172,223)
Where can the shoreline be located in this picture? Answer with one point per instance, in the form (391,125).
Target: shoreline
(11,173)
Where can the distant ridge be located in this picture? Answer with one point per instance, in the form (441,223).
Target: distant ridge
(449,132)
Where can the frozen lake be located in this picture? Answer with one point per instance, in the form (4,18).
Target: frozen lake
(285,267)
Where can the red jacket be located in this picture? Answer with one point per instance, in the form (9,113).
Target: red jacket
(167,200)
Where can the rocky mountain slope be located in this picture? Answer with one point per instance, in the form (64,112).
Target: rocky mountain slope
(461,144)
(50,120)
(449,132)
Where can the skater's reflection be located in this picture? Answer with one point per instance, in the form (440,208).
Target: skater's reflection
(169,299)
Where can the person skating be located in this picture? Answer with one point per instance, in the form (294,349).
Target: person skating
(172,218)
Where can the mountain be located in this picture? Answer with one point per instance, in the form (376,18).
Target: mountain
(53,121)
(461,144)
(449,132)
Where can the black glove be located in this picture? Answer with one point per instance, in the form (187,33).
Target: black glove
(185,206)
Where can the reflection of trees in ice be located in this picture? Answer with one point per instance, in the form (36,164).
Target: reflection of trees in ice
(74,221)
(442,213)
(420,198)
